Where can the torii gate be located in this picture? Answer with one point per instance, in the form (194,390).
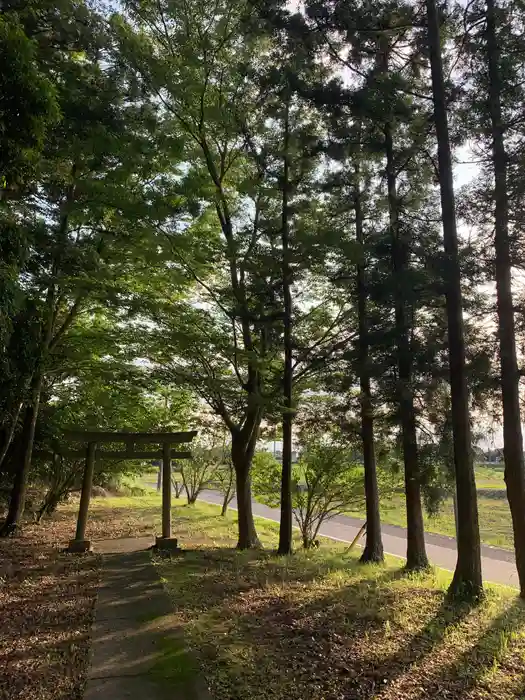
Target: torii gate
(93,438)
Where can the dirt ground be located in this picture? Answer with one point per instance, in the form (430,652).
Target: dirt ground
(47,599)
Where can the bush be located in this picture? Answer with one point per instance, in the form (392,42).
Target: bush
(327,482)
(59,476)
(199,471)
(266,478)
(225,481)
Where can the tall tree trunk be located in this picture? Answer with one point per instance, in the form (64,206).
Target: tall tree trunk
(467,578)
(243,447)
(373,551)
(512,433)
(285,526)
(416,552)
(19,490)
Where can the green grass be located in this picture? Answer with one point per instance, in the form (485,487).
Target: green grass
(130,516)
(175,663)
(320,625)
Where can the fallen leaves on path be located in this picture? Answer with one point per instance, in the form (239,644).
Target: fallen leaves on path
(46,603)
(47,599)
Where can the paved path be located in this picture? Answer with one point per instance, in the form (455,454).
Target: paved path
(134,639)
(498,564)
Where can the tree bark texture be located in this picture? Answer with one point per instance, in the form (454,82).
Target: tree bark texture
(10,433)
(19,489)
(285,525)
(416,551)
(512,432)
(467,580)
(243,447)
(373,551)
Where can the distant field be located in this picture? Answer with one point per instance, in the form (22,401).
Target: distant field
(490,476)
(494,519)
(494,515)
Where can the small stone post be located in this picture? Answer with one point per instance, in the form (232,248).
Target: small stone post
(166,541)
(80,544)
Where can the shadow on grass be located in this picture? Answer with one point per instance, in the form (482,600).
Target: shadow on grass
(62,607)
(340,629)
(345,634)
(149,514)
(206,578)
(498,651)
(415,649)
(325,644)
(41,588)
(45,606)
(320,620)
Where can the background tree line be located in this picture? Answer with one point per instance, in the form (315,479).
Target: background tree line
(242,206)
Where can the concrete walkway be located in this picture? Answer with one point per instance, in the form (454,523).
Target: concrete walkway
(498,564)
(137,652)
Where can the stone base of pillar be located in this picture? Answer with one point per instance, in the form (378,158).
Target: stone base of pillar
(79,546)
(167,544)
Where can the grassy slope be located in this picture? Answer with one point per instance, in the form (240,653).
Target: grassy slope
(319,625)
(494,519)
(494,515)
(316,625)
(489,477)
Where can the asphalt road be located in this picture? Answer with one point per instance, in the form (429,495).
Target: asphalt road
(498,564)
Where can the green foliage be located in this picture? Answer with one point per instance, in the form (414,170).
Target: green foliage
(224,481)
(144,200)
(214,346)
(98,387)
(327,481)
(86,243)
(29,106)
(266,477)
(219,86)
(333,484)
